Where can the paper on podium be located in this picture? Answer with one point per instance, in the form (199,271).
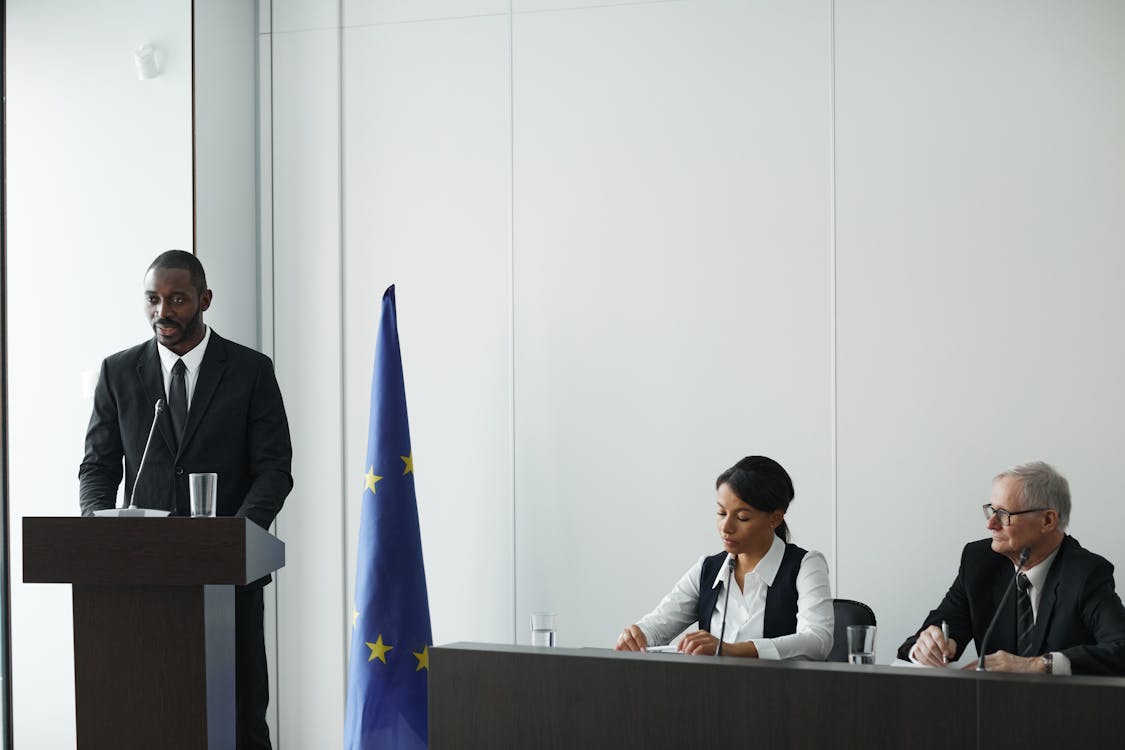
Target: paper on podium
(671,648)
(130,513)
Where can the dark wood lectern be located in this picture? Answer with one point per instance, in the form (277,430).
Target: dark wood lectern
(153,621)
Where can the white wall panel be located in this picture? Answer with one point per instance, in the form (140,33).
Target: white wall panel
(536,6)
(981,171)
(671,291)
(366,12)
(427,208)
(304,15)
(226,163)
(99,183)
(265,17)
(307,338)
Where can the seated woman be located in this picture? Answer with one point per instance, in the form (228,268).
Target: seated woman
(779,605)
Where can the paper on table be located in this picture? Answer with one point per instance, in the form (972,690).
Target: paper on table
(903,663)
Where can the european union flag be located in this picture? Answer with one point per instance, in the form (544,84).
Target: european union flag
(390,657)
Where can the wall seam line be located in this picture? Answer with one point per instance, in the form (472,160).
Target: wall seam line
(512,314)
(273,353)
(833,352)
(342,311)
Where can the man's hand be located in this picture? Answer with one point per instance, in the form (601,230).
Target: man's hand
(933,649)
(1002,661)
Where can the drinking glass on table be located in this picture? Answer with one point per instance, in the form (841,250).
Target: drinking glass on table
(543,629)
(861,644)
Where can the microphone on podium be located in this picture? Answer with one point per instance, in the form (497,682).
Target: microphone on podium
(132,510)
(1024,554)
(157,410)
(726,602)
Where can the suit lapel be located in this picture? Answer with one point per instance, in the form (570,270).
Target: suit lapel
(1048,598)
(210,374)
(152,381)
(1004,637)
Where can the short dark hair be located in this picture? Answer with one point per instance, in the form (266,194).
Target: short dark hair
(761,483)
(186,261)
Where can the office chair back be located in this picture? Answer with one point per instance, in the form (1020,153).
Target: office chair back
(847,612)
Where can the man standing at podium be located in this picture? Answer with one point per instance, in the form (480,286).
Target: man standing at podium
(224,414)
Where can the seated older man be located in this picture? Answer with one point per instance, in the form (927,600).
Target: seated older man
(1063,617)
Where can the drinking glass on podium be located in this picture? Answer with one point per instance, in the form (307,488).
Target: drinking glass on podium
(543,629)
(202,489)
(861,644)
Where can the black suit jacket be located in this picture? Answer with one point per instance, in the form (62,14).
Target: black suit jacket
(1080,613)
(236,427)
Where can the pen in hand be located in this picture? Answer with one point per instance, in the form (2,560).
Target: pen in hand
(945,636)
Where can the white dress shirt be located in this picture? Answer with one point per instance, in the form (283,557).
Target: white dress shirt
(746,616)
(192,361)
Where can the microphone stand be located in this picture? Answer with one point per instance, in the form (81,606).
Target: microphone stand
(726,602)
(157,409)
(1024,554)
(131,510)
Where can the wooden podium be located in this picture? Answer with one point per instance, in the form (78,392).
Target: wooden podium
(153,621)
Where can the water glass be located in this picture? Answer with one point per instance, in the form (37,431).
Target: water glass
(861,644)
(202,489)
(543,629)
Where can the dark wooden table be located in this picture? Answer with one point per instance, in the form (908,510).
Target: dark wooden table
(500,696)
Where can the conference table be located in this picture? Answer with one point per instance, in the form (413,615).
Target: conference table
(503,696)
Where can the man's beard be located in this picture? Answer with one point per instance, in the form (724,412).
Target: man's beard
(186,331)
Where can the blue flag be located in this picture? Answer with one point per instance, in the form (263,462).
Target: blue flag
(389,661)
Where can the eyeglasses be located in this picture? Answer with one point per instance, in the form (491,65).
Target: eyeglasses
(1005,516)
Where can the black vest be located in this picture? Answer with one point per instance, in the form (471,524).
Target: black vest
(781,597)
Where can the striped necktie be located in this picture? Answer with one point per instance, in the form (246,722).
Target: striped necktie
(1025,617)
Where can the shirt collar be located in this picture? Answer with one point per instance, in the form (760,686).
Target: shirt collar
(192,359)
(1038,574)
(767,566)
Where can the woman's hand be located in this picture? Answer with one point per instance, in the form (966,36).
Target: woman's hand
(632,638)
(703,643)
(700,643)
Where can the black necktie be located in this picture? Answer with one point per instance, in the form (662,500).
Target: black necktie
(1025,617)
(177,400)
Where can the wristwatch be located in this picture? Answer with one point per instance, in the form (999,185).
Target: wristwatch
(1048,662)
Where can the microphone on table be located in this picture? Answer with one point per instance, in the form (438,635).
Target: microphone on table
(157,409)
(1024,554)
(726,602)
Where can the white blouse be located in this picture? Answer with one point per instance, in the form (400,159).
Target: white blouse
(745,620)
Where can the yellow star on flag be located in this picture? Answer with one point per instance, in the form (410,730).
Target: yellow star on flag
(409,461)
(379,650)
(423,659)
(371,479)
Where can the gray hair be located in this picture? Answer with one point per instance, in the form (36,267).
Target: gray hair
(1041,487)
